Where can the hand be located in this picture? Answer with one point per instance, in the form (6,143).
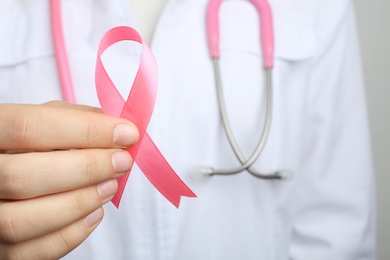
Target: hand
(58,164)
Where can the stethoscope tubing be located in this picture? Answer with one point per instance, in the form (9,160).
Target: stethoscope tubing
(64,75)
(246,164)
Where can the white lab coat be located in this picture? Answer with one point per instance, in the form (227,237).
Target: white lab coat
(319,129)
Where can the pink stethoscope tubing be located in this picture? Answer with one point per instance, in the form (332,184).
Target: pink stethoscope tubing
(65,78)
(212,16)
(266,31)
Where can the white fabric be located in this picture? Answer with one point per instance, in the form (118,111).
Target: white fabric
(319,128)
(147,13)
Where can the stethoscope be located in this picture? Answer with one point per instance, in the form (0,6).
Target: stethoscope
(212,22)
(267,44)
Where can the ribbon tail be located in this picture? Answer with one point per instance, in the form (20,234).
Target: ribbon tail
(160,173)
(121,187)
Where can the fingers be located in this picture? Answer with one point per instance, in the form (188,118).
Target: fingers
(54,245)
(48,198)
(53,127)
(29,175)
(27,219)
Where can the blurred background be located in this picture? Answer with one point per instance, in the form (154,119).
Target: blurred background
(374,30)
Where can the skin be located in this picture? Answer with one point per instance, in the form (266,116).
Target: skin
(58,164)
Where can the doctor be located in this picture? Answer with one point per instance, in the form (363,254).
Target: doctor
(59,161)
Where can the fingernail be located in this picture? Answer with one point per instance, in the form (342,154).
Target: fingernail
(107,189)
(125,135)
(121,161)
(93,218)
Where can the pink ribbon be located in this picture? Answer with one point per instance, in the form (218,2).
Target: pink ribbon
(138,108)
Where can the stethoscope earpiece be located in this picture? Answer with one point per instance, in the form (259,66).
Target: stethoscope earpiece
(286,175)
(201,173)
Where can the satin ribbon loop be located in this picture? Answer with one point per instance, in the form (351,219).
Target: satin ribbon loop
(138,108)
